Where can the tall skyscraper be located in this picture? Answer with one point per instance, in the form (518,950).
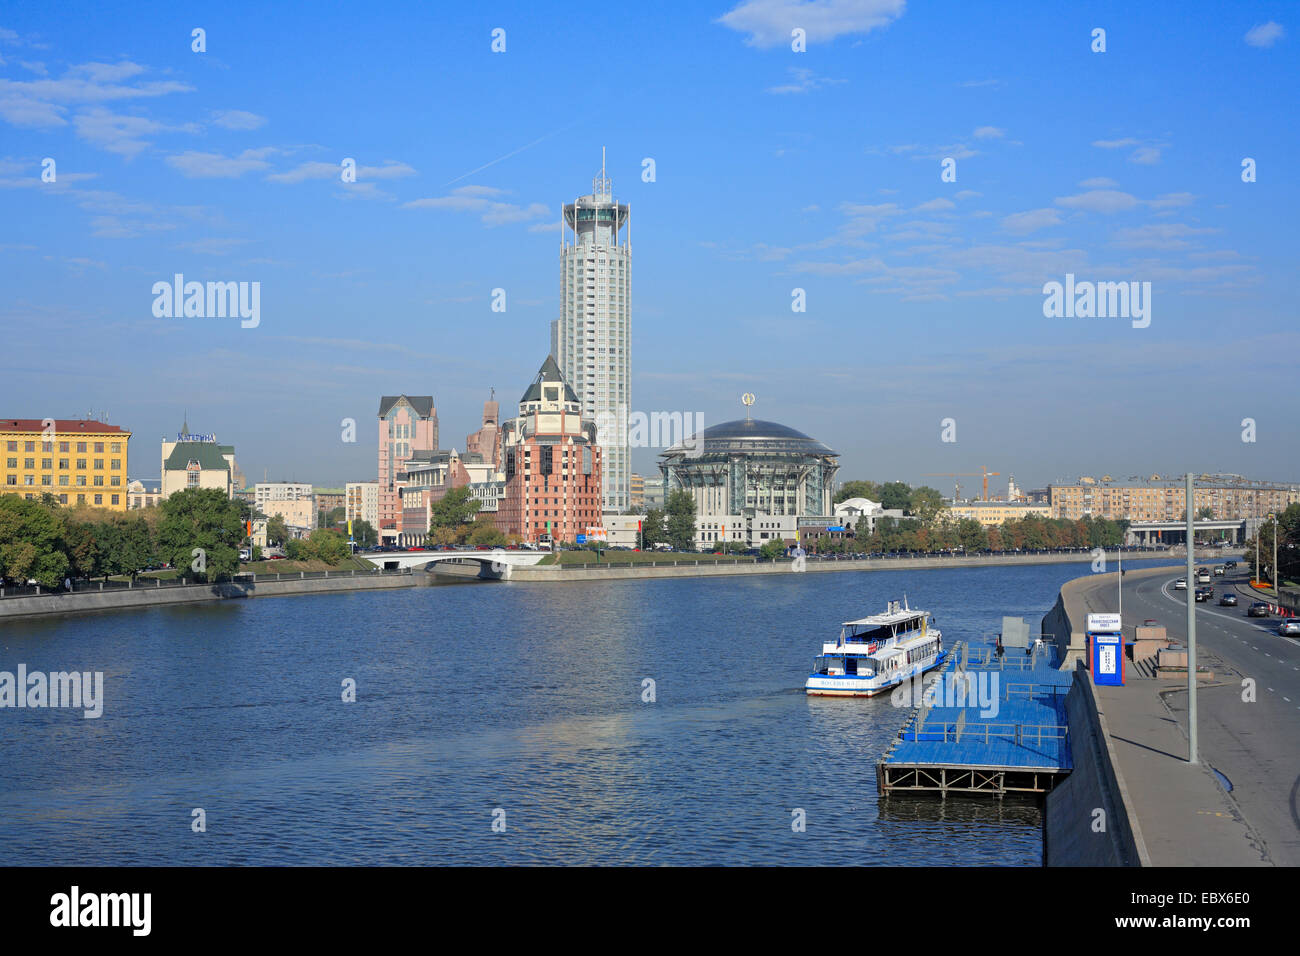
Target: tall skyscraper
(592,339)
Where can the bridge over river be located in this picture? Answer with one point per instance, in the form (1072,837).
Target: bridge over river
(495,563)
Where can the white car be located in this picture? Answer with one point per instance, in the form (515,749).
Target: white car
(1180,584)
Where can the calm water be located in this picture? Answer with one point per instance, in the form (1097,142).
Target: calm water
(473,697)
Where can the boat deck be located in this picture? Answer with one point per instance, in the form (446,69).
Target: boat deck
(1015,741)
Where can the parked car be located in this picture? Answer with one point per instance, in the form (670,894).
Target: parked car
(1258,609)
(1180,584)
(1290,627)
(1228,600)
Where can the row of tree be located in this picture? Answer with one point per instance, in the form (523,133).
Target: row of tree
(198,531)
(1288,548)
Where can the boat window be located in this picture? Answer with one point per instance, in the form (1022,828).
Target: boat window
(850,665)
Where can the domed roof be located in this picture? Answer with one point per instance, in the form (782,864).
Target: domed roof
(754,436)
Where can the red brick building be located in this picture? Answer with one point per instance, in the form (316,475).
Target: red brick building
(552,463)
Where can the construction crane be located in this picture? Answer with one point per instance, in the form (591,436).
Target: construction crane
(983,473)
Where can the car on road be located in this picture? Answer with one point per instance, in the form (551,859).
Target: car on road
(1290,627)
(1202,577)
(1180,584)
(1204,594)
(1219,571)
(1230,564)
(1258,609)
(1228,600)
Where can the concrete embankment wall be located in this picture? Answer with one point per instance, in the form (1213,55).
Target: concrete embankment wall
(1070,820)
(1074,833)
(146,596)
(708,569)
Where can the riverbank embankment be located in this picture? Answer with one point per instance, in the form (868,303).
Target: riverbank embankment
(154,593)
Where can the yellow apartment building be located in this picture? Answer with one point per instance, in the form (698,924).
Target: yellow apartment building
(75,460)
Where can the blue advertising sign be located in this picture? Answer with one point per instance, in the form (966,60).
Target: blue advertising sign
(580,539)
(1107,657)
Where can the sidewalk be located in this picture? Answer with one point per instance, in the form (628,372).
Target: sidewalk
(1186,818)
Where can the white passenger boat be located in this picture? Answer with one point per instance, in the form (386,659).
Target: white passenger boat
(876,653)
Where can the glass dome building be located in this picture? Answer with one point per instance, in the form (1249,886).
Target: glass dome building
(750,468)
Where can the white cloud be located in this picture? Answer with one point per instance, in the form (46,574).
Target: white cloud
(768,23)
(214,247)
(1099,182)
(197,165)
(989,132)
(1146,155)
(1032,220)
(936,205)
(237,119)
(1265,35)
(1099,200)
(491,212)
(318,170)
(118,132)
(1164,235)
(803,81)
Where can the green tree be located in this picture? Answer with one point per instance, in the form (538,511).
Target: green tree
(652,528)
(277,532)
(679,527)
(443,536)
(771,550)
(858,489)
(456,509)
(1204,513)
(896,496)
(484,531)
(925,502)
(326,544)
(125,545)
(82,549)
(31,541)
(971,534)
(202,518)
(364,533)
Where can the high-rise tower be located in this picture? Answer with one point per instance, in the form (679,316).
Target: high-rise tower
(592,339)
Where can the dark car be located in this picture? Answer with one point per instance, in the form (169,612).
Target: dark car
(1229,564)
(1203,594)
(1228,600)
(1258,609)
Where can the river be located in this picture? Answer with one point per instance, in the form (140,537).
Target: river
(514,704)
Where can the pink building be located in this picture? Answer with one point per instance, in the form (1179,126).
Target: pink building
(487,440)
(552,464)
(407,424)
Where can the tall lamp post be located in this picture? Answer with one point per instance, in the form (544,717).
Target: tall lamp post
(1191,625)
(1277,585)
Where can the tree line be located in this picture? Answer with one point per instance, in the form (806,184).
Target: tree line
(198,531)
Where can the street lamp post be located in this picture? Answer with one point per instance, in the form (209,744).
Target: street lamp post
(1277,585)
(1191,626)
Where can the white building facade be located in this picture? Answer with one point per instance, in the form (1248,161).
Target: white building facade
(592,339)
(361,502)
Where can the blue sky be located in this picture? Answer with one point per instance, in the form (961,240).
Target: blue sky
(775,170)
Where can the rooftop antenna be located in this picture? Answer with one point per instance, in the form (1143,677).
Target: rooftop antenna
(748,400)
